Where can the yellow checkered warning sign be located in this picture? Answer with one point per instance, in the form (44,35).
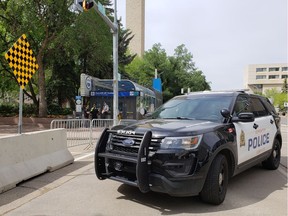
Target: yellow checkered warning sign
(22,61)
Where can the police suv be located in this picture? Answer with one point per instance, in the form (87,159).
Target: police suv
(192,144)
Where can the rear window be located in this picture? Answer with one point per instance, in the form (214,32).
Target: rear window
(245,103)
(258,108)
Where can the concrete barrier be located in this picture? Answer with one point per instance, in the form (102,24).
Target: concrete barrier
(26,155)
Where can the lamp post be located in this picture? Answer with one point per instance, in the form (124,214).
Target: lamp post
(115,66)
(78,5)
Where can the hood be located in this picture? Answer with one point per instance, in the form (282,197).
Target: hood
(170,127)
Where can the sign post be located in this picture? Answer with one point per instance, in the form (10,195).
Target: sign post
(78,100)
(20,111)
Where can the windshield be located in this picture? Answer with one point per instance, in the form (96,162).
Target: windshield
(200,108)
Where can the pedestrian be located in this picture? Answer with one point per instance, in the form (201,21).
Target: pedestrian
(105,110)
(86,112)
(94,112)
(86,116)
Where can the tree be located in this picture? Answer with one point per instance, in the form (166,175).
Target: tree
(124,57)
(9,23)
(285,86)
(176,71)
(84,47)
(66,44)
(42,21)
(277,98)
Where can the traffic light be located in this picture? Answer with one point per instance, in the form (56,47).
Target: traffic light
(86,4)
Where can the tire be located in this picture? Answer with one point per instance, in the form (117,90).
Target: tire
(215,187)
(273,162)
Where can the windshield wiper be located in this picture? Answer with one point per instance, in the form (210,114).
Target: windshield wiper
(178,117)
(184,118)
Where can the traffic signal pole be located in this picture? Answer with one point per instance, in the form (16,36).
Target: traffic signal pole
(115,67)
(114,28)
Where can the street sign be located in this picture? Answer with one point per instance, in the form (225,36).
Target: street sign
(101,8)
(22,61)
(78,100)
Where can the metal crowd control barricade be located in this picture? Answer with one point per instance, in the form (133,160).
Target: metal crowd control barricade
(97,127)
(82,131)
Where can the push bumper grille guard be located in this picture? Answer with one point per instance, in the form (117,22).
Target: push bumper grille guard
(141,161)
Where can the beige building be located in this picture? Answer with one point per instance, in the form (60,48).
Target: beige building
(260,77)
(135,21)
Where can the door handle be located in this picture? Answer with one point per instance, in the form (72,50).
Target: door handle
(271,121)
(255,126)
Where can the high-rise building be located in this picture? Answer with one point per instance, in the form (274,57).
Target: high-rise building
(260,77)
(135,21)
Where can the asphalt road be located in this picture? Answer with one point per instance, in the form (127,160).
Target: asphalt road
(75,190)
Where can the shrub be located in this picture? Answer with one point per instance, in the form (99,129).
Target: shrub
(8,110)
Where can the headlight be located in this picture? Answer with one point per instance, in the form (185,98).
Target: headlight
(187,143)
(109,146)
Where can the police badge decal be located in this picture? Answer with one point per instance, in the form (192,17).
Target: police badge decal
(242,138)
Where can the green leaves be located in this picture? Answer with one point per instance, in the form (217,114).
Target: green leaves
(66,44)
(177,71)
(278,97)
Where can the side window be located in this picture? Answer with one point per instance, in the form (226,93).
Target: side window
(242,104)
(269,106)
(258,108)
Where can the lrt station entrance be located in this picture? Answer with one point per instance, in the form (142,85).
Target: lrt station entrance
(130,98)
(126,100)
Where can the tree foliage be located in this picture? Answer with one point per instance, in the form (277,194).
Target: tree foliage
(285,86)
(65,43)
(277,97)
(177,71)
(42,21)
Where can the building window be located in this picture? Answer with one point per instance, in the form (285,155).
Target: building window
(261,69)
(284,68)
(273,77)
(284,76)
(260,77)
(274,69)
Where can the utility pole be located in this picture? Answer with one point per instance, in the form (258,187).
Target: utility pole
(115,67)
(99,8)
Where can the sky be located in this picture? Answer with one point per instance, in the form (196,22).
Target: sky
(224,36)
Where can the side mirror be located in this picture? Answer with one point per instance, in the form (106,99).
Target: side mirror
(225,113)
(244,117)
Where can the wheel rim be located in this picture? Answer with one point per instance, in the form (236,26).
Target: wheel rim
(221,179)
(276,154)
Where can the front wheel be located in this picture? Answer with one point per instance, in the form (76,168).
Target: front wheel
(215,187)
(272,163)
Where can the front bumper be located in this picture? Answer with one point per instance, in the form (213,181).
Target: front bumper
(181,188)
(174,173)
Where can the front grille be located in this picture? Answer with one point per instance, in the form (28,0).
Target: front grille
(116,143)
(125,149)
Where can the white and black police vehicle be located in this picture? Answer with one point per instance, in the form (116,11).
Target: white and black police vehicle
(192,144)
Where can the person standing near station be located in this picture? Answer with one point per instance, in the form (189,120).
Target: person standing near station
(94,112)
(105,110)
(86,112)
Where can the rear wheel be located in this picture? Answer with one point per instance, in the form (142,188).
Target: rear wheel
(273,161)
(215,187)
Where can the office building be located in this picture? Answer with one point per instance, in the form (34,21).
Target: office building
(260,77)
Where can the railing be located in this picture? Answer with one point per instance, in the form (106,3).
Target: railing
(82,131)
